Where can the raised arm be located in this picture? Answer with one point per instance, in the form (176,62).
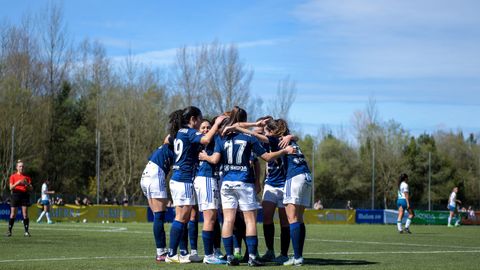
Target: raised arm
(273,155)
(209,136)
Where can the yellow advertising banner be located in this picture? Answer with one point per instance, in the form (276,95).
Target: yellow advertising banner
(329,216)
(94,213)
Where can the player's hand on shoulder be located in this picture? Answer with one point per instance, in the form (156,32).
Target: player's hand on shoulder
(202,155)
(290,150)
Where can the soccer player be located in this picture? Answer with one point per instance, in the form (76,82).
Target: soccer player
(154,187)
(452,207)
(403,203)
(45,202)
(238,187)
(187,140)
(275,135)
(20,186)
(208,197)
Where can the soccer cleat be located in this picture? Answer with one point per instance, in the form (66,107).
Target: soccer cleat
(407,230)
(50,222)
(294,262)
(160,258)
(38,221)
(218,254)
(232,261)
(269,256)
(193,257)
(212,259)
(238,256)
(8,234)
(281,259)
(27,234)
(253,262)
(400,232)
(173,259)
(450,226)
(184,259)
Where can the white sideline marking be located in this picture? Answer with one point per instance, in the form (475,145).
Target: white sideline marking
(107,229)
(308,253)
(384,243)
(76,258)
(391,252)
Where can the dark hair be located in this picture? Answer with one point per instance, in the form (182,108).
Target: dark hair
(208,121)
(402,178)
(180,118)
(278,127)
(235,116)
(264,117)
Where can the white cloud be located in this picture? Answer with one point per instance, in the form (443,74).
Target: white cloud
(396,39)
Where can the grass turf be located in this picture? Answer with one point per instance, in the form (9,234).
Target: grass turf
(131,246)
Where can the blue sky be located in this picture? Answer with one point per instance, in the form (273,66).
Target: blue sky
(418,59)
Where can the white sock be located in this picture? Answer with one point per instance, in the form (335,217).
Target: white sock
(449,220)
(160,251)
(407,224)
(399,225)
(48,216)
(41,216)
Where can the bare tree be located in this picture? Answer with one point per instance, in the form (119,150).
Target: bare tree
(286,92)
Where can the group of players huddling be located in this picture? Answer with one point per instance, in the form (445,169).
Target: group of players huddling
(216,167)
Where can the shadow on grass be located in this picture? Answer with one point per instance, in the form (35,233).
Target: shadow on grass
(336,262)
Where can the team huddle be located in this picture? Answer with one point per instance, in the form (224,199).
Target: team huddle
(215,169)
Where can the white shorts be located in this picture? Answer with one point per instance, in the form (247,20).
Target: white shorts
(235,194)
(298,190)
(208,193)
(183,193)
(153,182)
(273,194)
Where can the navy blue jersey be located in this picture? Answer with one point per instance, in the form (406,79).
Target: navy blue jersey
(296,163)
(204,168)
(276,176)
(236,150)
(185,146)
(163,157)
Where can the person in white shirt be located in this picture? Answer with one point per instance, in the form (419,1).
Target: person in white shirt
(45,202)
(403,203)
(452,206)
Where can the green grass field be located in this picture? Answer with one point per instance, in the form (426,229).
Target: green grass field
(131,246)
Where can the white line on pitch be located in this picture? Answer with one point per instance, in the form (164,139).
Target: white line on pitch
(75,258)
(391,252)
(383,243)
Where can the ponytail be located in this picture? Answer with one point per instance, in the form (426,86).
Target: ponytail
(175,121)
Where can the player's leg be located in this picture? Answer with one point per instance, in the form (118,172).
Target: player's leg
(158,207)
(268,229)
(411,214)
(284,235)
(43,212)
(193,234)
(227,233)
(47,213)
(26,220)
(399,218)
(13,216)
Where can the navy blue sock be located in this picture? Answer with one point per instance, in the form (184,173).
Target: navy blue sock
(252,244)
(184,241)
(176,233)
(236,243)
(302,238)
(269,233)
(193,234)
(228,244)
(207,237)
(295,236)
(217,234)
(158,229)
(285,240)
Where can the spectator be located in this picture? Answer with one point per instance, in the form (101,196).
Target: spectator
(106,200)
(59,201)
(78,202)
(318,205)
(125,201)
(86,201)
(349,205)
(115,201)
(471,212)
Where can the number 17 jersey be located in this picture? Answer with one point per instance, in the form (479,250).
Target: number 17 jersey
(236,149)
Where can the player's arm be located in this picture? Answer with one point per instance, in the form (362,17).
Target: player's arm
(285,140)
(238,127)
(207,138)
(212,159)
(407,198)
(267,156)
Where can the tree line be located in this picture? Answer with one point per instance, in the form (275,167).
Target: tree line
(56,95)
